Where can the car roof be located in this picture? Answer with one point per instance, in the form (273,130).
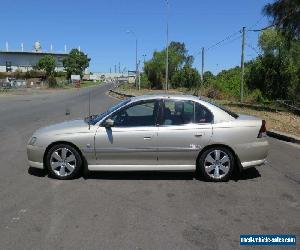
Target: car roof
(164,96)
(219,114)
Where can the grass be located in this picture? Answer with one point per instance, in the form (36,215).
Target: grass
(83,84)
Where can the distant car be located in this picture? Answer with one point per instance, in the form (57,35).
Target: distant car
(155,132)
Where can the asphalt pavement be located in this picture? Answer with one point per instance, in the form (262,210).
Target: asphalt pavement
(139,210)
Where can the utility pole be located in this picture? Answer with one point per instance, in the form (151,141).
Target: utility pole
(119,68)
(139,76)
(242,65)
(167,57)
(115,68)
(202,65)
(136,62)
(136,55)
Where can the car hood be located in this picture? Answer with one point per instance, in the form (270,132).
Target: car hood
(67,127)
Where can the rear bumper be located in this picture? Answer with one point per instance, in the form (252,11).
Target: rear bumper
(252,154)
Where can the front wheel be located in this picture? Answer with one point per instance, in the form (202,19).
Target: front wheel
(63,162)
(216,164)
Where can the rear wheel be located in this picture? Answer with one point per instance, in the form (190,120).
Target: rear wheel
(216,164)
(63,162)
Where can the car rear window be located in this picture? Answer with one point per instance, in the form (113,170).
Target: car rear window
(234,115)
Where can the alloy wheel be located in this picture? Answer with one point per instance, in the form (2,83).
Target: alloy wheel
(217,164)
(63,162)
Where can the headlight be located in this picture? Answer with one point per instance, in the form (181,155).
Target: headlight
(32,141)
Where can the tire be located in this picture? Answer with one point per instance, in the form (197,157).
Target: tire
(216,164)
(63,162)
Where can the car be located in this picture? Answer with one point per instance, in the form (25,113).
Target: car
(153,133)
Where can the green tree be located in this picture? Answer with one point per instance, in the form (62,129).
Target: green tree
(277,71)
(285,16)
(155,68)
(208,77)
(47,63)
(75,63)
(186,77)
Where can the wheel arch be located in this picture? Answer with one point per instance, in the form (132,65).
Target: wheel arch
(237,161)
(84,162)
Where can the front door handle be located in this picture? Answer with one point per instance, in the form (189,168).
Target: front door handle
(198,134)
(147,138)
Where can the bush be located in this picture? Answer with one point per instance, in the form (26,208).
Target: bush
(255,96)
(34,74)
(60,74)
(186,77)
(52,83)
(145,83)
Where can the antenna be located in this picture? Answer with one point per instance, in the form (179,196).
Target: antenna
(65,48)
(6,44)
(22,47)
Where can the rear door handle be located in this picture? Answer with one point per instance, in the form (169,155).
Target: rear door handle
(147,138)
(198,134)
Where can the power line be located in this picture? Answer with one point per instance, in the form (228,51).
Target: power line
(255,24)
(223,40)
(218,44)
(228,42)
(261,29)
(254,49)
(274,24)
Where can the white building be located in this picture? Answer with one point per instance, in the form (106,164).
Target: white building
(26,60)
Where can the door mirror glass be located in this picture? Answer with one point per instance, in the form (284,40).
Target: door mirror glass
(108,123)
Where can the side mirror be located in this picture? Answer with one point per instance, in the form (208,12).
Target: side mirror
(108,123)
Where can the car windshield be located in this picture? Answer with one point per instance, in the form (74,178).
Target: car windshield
(93,119)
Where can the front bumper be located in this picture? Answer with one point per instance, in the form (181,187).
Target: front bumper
(35,156)
(34,164)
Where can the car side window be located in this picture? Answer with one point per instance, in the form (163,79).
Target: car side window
(140,114)
(202,114)
(180,112)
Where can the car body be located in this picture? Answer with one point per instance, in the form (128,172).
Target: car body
(153,132)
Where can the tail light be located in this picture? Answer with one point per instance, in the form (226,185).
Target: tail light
(263,130)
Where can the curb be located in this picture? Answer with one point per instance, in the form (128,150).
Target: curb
(112,90)
(283,136)
(119,93)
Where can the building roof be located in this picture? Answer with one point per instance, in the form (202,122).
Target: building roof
(33,53)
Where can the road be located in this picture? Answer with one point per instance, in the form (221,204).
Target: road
(132,210)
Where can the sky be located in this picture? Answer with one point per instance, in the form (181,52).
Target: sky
(99,28)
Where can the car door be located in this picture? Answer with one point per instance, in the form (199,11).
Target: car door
(185,128)
(132,140)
